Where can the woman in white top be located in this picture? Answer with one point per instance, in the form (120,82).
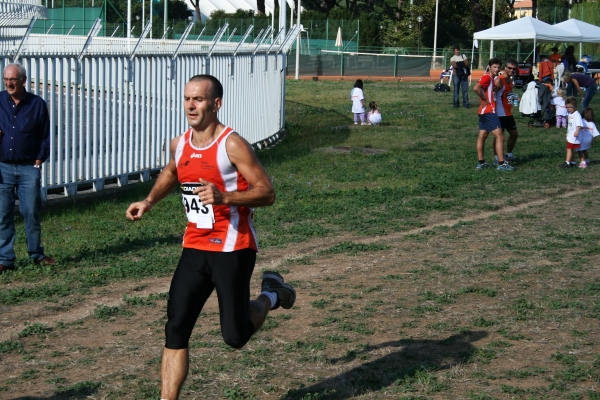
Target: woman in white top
(358,102)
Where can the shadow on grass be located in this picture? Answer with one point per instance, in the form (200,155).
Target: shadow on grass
(407,369)
(82,390)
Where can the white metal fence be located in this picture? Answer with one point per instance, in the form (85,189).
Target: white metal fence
(114,112)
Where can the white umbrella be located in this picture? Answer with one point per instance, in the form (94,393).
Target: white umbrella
(338,40)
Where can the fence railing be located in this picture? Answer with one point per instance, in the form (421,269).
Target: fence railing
(114,106)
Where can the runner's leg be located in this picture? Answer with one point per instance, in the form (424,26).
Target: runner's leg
(480,143)
(513,135)
(190,287)
(232,273)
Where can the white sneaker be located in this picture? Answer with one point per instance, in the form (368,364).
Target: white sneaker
(363,123)
(583,164)
(356,123)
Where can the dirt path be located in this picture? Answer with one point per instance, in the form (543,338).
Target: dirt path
(12,320)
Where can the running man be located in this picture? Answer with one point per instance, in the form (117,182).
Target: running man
(221,180)
(504,100)
(488,119)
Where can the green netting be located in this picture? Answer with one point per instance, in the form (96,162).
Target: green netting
(62,20)
(360,65)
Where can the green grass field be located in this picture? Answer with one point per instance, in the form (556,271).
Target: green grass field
(418,276)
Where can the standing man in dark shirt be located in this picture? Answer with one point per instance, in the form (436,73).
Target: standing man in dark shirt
(24,146)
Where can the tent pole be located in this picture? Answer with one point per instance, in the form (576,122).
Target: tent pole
(472,55)
(580,50)
(518,50)
(493,23)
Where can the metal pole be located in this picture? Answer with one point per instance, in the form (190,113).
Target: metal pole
(128,18)
(166,15)
(298,12)
(437,3)
(493,23)
(144,13)
(150,17)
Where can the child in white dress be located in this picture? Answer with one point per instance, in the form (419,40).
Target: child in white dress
(587,135)
(374,115)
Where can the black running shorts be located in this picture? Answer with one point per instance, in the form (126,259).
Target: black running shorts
(508,123)
(197,275)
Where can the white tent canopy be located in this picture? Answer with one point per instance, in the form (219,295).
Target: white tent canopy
(588,33)
(230,6)
(528,29)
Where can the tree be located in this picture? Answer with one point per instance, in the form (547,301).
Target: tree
(323,6)
(196,5)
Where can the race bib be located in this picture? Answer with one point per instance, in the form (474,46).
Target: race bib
(510,96)
(200,214)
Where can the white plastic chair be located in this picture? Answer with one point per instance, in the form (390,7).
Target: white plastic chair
(447,75)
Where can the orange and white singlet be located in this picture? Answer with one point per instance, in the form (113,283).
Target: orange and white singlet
(487,85)
(504,98)
(218,227)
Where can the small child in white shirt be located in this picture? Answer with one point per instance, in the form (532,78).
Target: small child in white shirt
(561,108)
(587,136)
(573,130)
(358,102)
(374,115)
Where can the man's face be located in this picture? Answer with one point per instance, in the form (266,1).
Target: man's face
(494,69)
(510,69)
(200,108)
(456,52)
(14,82)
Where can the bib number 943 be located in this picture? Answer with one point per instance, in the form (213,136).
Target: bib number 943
(200,214)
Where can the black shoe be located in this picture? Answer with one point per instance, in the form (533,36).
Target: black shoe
(6,268)
(273,282)
(456,105)
(467,106)
(566,165)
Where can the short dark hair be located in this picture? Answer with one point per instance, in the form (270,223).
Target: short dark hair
(555,49)
(216,91)
(511,61)
(456,48)
(358,84)
(495,61)
(572,101)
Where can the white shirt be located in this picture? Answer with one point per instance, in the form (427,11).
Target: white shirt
(575,120)
(356,95)
(561,107)
(374,117)
(586,134)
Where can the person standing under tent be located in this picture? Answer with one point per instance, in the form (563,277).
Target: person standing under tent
(460,77)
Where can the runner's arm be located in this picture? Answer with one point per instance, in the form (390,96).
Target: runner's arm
(241,155)
(478,89)
(498,83)
(165,183)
